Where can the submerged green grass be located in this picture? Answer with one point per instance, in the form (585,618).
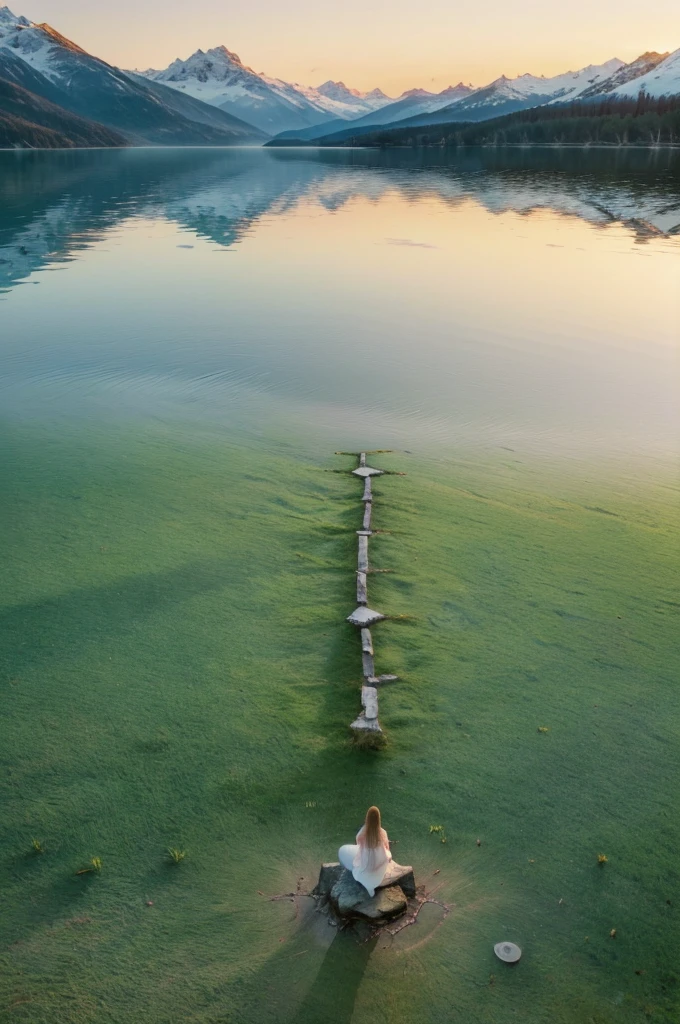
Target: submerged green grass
(177,675)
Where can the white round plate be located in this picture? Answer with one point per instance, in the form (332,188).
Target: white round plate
(509,952)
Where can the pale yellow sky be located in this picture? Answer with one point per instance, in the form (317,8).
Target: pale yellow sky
(396,45)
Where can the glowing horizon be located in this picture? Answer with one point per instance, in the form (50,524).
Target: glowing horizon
(390,47)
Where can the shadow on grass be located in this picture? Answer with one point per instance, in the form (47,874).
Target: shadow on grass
(331,997)
(310,980)
(34,631)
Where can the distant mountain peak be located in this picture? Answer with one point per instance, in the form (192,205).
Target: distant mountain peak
(458,90)
(340,91)
(224,52)
(68,44)
(218,53)
(11,18)
(655,74)
(336,89)
(621,74)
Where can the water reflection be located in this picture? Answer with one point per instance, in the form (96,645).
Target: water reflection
(511,297)
(54,205)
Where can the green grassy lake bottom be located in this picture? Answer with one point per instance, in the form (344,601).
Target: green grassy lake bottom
(176,670)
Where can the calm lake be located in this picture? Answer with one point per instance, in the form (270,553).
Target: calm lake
(187,337)
(492,298)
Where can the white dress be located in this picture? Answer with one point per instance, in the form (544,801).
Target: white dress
(367,864)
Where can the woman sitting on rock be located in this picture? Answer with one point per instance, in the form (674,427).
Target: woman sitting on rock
(369,858)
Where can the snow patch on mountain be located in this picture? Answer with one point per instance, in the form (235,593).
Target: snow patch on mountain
(29,42)
(339,100)
(638,67)
(559,87)
(662,80)
(362,101)
(45,49)
(219,76)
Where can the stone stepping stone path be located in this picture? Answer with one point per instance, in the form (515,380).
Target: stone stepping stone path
(363,617)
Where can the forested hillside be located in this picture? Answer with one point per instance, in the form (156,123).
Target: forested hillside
(643,121)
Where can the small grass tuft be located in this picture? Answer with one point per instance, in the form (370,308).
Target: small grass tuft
(175,855)
(440,831)
(37,846)
(94,867)
(602,858)
(369,741)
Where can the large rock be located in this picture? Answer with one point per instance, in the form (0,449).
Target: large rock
(396,874)
(401,875)
(347,894)
(384,906)
(328,876)
(351,901)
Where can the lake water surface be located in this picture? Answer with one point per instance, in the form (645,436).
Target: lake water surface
(491,298)
(186,339)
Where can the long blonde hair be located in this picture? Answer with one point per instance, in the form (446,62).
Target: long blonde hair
(372,828)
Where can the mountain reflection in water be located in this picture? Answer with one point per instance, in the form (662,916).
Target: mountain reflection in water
(53,205)
(433,269)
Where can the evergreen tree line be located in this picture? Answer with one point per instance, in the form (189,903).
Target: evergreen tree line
(608,121)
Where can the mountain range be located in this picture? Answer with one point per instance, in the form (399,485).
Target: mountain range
(653,73)
(219,77)
(39,60)
(52,92)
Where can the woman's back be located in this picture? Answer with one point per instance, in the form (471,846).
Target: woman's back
(368,859)
(371,858)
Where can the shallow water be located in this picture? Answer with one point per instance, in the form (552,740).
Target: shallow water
(186,339)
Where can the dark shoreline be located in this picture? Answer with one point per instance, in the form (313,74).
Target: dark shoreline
(292,144)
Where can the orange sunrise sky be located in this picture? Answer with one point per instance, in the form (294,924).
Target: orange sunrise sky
(397,45)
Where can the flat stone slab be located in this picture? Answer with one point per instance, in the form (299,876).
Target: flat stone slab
(328,876)
(368,669)
(364,471)
(369,697)
(350,900)
(401,875)
(385,906)
(366,641)
(363,616)
(363,724)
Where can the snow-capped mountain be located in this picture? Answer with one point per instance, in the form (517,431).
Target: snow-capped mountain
(662,80)
(410,103)
(569,85)
(627,73)
(351,99)
(505,95)
(336,100)
(419,101)
(43,48)
(63,73)
(219,76)
(531,90)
